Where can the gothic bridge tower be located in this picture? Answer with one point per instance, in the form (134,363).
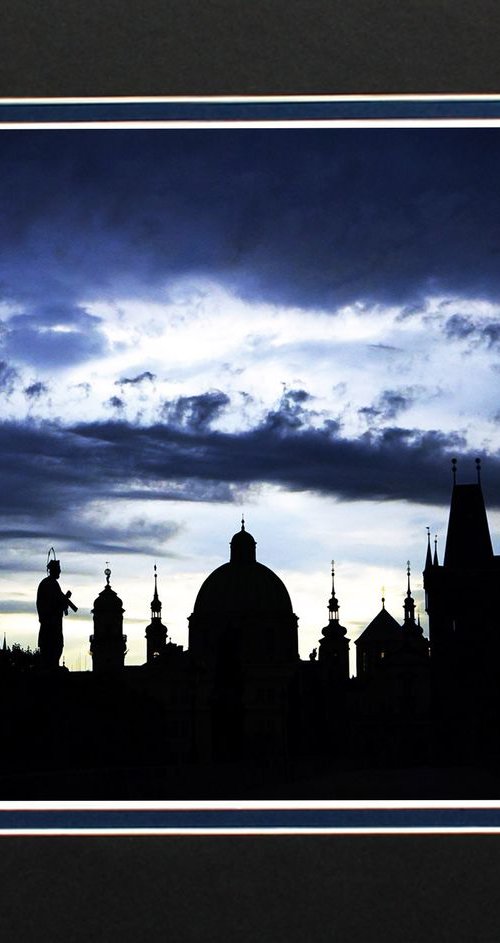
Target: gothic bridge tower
(464,628)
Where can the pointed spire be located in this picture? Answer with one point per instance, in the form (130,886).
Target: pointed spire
(333,603)
(435,561)
(4,642)
(155,604)
(409,603)
(428,557)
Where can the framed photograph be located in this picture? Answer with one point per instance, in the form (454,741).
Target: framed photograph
(250,467)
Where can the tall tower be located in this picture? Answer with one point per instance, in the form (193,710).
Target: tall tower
(334,646)
(464,629)
(108,644)
(156,632)
(413,635)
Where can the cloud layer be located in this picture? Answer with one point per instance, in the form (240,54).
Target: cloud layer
(308,218)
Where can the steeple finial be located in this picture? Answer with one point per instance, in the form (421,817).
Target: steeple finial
(478,470)
(408,575)
(454,470)
(435,561)
(155,603)
(243,522)
(107,573)
(383,597)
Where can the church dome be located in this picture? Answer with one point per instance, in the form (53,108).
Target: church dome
(243,584)
(252,588)
(243,605)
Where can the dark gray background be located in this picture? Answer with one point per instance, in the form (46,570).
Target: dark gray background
(320,889)
(290,889)
(227,47)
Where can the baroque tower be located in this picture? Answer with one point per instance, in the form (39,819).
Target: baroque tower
(156,632)
(108,644)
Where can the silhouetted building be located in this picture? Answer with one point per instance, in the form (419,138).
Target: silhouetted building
(240,697)
(243,644)
(381,638)
(108,644)
(462,604)
(334,646)
(156,632)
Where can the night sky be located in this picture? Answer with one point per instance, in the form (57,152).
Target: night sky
(301,325)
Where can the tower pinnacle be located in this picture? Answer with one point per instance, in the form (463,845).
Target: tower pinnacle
(333,603)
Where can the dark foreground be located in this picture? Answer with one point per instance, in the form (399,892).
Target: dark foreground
(229,783)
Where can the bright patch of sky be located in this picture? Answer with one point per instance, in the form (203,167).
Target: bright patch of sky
(205,338)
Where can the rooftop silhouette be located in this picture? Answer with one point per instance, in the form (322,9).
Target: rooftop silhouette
(240,697)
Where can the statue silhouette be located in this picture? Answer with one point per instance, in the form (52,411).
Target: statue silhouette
(51,604)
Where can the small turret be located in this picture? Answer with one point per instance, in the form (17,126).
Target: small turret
(156,632)
(409,605)
(108,644)
(334,646)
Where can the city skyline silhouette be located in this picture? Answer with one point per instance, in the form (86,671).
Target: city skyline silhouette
(239,712)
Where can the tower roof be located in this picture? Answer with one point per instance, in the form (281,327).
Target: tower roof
(107,599)
(382,628)
(468,541)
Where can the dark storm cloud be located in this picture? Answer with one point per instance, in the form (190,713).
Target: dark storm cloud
(56,335)
(35,390)
(475,330)
(99,537)
(8,377)
(135,381)
(460,327)
(115,402)
(195,413)
(52,477)
(290,413)
(390,404)
(315,218)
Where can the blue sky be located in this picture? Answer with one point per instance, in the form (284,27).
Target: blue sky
(303,325)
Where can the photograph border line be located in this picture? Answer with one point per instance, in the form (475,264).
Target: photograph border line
(250,818)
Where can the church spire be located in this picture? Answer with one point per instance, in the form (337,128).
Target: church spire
(156,632)
(409,603)
(155,603)
(428,556)
(435,561)
(333,603)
